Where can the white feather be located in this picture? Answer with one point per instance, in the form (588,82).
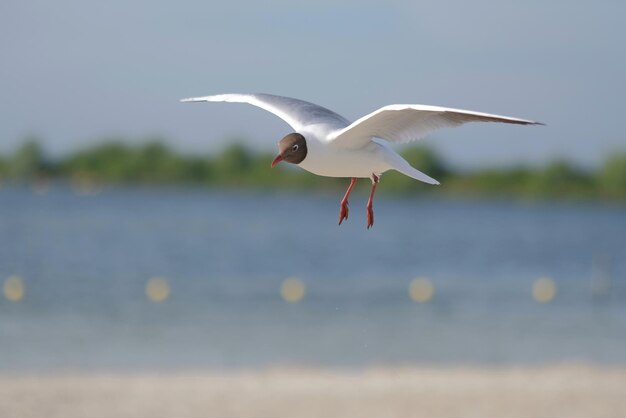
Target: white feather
(405,123)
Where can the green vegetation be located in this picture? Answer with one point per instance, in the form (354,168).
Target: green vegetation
(114,162)
(612,177)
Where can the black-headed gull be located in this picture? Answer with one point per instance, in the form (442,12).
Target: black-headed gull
(327,144)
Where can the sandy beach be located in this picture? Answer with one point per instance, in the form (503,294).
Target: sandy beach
(551,391)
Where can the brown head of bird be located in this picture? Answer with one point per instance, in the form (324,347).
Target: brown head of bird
(292,149)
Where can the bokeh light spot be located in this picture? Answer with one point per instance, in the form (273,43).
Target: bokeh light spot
(421,290)
(14,288)
(544,290)
(157,289)
(293,290)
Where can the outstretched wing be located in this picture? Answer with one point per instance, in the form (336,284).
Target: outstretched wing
(297,113)
(405,123)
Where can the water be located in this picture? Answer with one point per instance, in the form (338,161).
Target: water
(85,261)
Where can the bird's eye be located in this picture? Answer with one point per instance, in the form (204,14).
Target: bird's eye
(295,148)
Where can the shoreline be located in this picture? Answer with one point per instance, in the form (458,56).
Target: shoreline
(572,390)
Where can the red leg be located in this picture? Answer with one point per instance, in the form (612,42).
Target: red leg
(343,212)
(370,211)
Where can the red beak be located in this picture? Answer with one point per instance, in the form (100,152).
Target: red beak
(278,159)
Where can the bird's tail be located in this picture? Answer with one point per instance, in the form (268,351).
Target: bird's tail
(407,170)
(398,163)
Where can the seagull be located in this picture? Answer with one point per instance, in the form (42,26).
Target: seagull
(327,144)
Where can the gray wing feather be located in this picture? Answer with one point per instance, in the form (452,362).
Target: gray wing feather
(297,113)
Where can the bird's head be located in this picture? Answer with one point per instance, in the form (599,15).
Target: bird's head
(292,149)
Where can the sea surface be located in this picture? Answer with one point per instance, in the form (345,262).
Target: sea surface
(83,261)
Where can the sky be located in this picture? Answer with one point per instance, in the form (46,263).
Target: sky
(76,72)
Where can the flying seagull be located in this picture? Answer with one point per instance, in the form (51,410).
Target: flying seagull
(327,144)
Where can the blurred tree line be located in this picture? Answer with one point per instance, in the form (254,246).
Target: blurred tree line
(116,162)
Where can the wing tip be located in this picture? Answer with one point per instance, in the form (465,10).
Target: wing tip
(514,121)
(190,99)
(527,122)
(228,97)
